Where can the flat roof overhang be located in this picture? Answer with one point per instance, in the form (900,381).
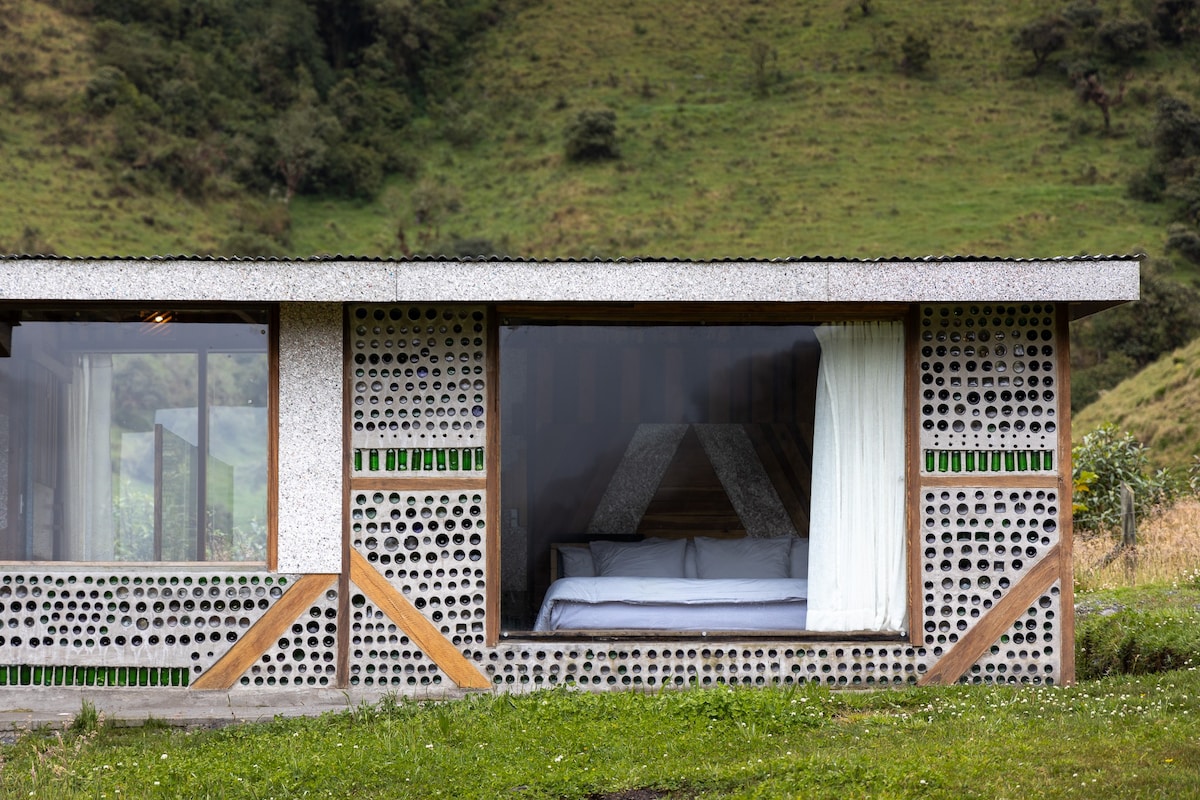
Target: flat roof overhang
(1089,283)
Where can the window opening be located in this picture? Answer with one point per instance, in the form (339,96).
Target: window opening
(134,435)
(685,452)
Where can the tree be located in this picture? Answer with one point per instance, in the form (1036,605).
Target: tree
(1043,38)
(302,137)
(1090,89)
(1177,156)
(1176,132)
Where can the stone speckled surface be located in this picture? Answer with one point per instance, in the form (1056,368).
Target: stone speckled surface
(983,280)
(310,437)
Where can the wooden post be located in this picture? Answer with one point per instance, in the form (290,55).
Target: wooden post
(1128,531)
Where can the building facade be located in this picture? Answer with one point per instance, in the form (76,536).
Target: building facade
(245,475)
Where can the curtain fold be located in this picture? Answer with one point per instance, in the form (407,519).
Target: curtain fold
(87,502)
(857,570)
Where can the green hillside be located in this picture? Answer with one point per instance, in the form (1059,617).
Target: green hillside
(1160,406)
(762,129)
(767,128)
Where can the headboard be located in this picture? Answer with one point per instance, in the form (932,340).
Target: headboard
(561,550)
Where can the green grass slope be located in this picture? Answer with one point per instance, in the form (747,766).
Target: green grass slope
(827,150)
(1160,406)
(839,153)
(57,192)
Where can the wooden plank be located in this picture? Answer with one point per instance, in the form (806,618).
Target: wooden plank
(515,313)
(690,497)
(420,630)
(585,383)
(1066,488)
(673,380)
(975,643)
(273,440)
(491,488)
(432,483)
(631,385)
(912,474)
(719,360)
(1008,480)
(342,667)
(264,633)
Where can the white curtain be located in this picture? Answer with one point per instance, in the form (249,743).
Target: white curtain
(87,502)
(857,575)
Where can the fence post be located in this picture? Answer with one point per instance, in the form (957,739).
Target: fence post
(1128,531)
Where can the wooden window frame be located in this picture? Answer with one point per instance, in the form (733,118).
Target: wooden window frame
(718,314)
(270,560)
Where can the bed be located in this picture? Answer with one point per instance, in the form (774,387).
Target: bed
(694,584)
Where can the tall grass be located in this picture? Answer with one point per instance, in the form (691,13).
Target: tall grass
(1167,551)
(1137,608)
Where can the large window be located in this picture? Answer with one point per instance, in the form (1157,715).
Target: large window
(767,454)
(134,434)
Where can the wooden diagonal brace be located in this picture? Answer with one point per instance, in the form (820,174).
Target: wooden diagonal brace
(264,633)
(420,630)
(975,643)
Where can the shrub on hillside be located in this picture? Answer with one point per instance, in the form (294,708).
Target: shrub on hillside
(915,54)
(236,73)
(1124,41)
(350,170)
(1176,131)
(1083,14)
(764,68)
(1185,196)
(1043,38)
(1114,458)
(1176,21)
(1185,241)
(592,136)
(107,89)
(247,244)
(1148,185)
(1088,383)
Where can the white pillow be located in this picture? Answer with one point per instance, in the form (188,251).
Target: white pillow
(649,558)
(743,558)
(799,557)
(577,561)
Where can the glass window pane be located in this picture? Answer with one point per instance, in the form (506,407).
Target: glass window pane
(131,435)
(635,431)
(237,462)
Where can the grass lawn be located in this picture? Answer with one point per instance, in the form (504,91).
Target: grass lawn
(1124,737)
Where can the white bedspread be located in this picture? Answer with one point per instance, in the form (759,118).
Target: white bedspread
(686,604)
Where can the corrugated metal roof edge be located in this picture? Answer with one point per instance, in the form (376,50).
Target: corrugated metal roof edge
(628,260)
